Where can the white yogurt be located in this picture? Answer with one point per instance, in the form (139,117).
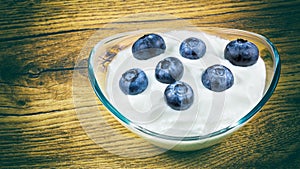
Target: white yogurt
(210,111)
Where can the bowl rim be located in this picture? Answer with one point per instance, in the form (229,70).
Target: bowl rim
(240,122)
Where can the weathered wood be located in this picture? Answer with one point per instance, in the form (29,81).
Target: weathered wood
(40,44)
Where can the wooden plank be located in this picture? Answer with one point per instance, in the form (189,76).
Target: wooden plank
(57,136)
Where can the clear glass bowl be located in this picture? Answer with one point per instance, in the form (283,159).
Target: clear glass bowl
(103,53)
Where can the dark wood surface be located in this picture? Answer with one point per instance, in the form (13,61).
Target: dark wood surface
(41,40)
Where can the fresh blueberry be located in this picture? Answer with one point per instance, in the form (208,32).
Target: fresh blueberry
(179,95)
(241,52)
(192,48)
(133,82)
(148,46)
(217,78)
(169,70)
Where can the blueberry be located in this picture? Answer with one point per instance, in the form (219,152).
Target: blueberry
(192,48)
(217,78)
(179,95)
(133,82)
(148,46)
(241,52)
(169,70)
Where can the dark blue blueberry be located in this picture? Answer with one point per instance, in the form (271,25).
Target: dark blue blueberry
(217,78)
(240,52)
(179,95)
(169,70)
(133,81)
(192,48)
(148,46)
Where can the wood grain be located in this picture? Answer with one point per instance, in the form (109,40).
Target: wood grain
(40,43)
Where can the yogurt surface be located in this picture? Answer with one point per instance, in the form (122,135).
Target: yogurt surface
(210,111)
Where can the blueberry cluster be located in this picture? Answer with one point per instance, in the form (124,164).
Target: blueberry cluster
(179,95)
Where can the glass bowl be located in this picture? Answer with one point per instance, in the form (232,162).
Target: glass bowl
(105,51)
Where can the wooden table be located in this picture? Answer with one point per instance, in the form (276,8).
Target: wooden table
(41,41)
